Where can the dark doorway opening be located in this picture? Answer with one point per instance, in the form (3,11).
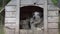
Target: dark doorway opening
(26,13)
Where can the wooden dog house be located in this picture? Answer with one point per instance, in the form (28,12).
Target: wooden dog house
(50,13)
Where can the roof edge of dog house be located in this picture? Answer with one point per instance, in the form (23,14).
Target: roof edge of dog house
(23,3)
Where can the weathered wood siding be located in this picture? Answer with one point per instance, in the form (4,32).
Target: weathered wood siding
(52,18)
(10,18)
(10,15)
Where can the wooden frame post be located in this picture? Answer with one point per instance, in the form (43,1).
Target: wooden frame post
(45,17)
(17,16)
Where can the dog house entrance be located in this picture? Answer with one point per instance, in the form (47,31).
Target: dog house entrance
(31,17)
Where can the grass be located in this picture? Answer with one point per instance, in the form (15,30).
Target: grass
(0,8)
(1,27)
(1,23)
(1,30)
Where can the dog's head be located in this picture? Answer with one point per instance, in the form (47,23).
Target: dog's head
(37,19)
(37,15)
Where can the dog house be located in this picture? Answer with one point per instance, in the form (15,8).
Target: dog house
(12,16)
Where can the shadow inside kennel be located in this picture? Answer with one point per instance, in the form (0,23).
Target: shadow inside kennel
(29,22)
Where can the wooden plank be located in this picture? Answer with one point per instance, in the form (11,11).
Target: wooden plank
(32,1)
(53,19)
(27,1)
(17,16)
(52,25)
(52,7)
(52,13)
(12,2)
(10,8)
(40,1)
(23,31)
(40,5)
(53,31)
(10,22)
(9,31)
(49,2)
(10,19)
(25,5)
(10,14)
(45,18)
(10,25)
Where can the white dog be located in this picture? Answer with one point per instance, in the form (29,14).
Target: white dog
(36,21)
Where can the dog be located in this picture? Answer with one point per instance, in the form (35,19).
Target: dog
(33,22)
(36,21)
